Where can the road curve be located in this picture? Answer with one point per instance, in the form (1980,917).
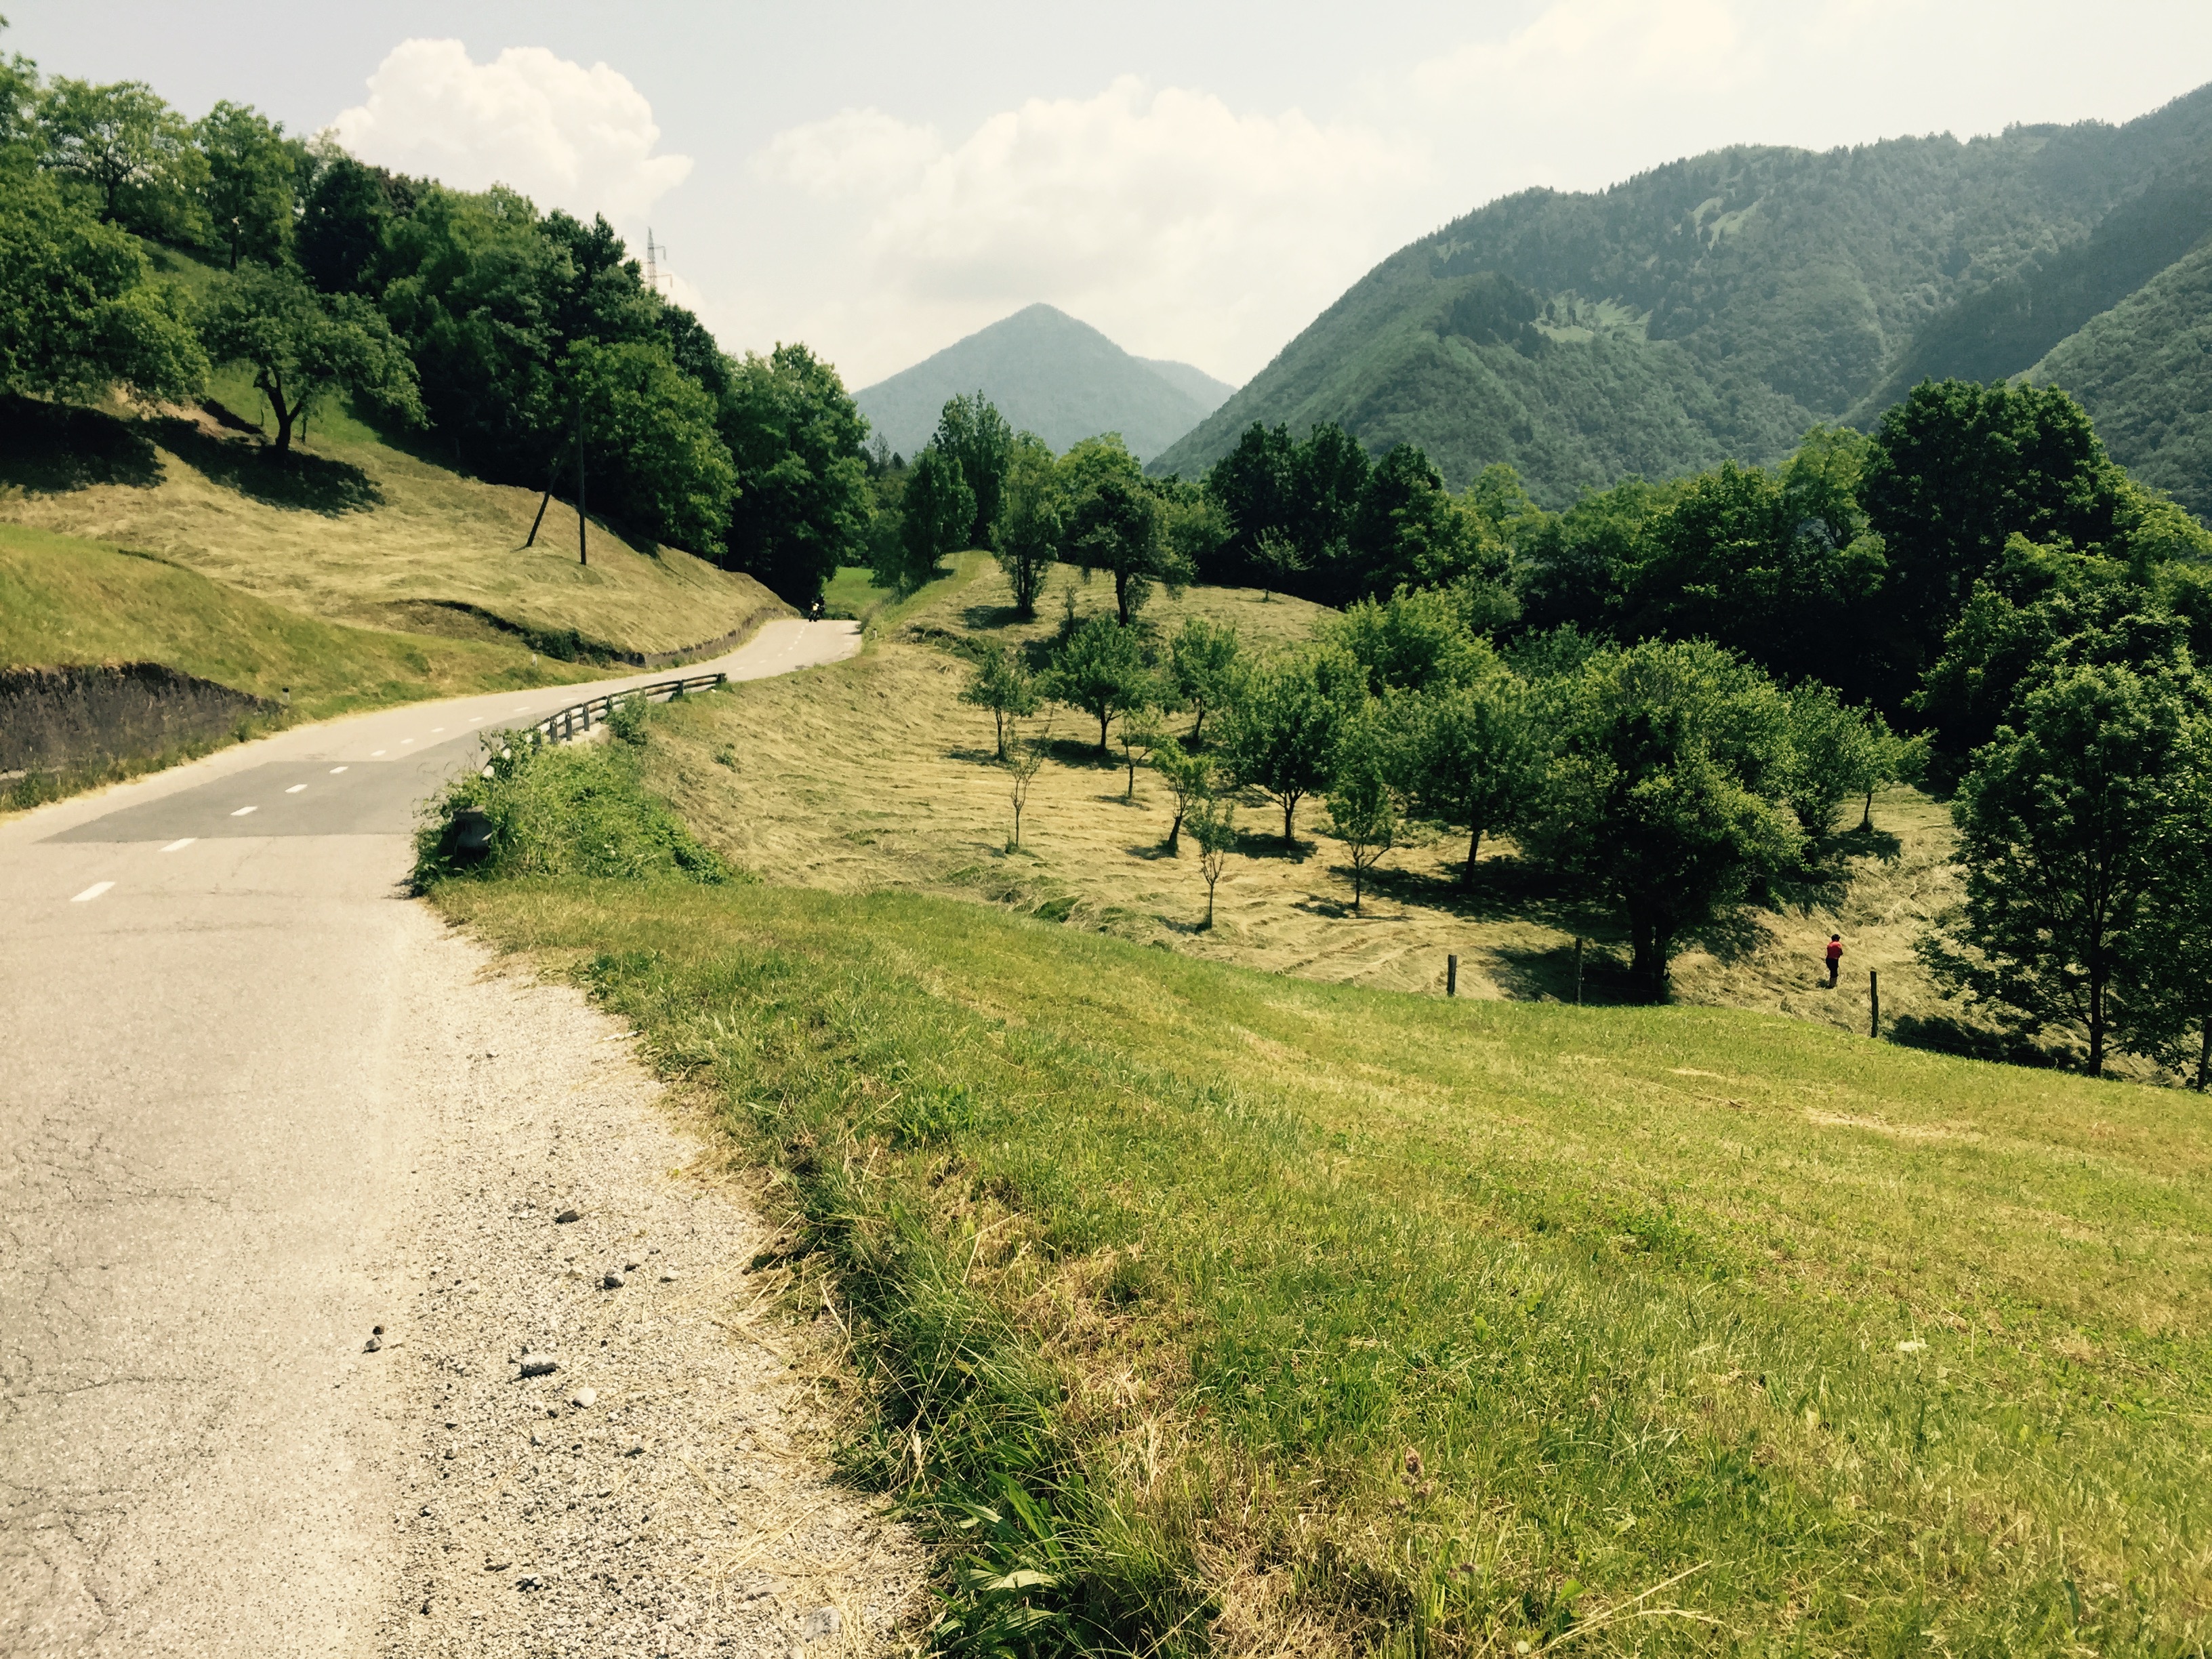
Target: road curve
(211,1103)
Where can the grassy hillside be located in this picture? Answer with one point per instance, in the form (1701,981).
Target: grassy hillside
(1252,1314)
(354,531)
(872,773)
(1716,306)
(65,601)
(1058,378)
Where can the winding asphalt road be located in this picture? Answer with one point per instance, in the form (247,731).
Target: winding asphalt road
(208,1105)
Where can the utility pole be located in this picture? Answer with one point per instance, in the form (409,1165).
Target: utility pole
(583,549)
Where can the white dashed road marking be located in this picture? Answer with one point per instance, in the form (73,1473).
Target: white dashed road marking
(242,811)
(405,741)
(92,892)
(180,846)
(335,770)
(295,788)
(374,753)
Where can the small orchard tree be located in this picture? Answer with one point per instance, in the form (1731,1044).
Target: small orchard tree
(1213,823)
(1279,558)
(1026,536)
(1283,729)
(1101,670)
(1189,778)
(1116,527)
(1025,759)
(1203,665)
(303,346)
(1002,683)
(2061,823)
(1469,756)
(1140,733)
(1362,813)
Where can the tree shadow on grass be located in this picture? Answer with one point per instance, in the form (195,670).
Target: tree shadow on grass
(52,449)
(1153,852)
(981,618)
(289,479)
(1548,975)
(985,756)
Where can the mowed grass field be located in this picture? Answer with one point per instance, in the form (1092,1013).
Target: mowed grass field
(1259,1315)
(874,774)
(354,531)
(64,600)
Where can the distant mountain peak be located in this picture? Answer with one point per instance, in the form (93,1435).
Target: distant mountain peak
(1051,375)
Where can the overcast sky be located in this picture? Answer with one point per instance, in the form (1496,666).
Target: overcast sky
(1197,180)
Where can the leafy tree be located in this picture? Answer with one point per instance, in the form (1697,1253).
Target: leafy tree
(1837,753)
(78,315)
(133,153)
(935,513)
(650,440)
(1213,823)
(1409,530)
(803,495)
(1954,471)
(1665,790)
(342,222)
(2060,830)
(246,194)
(1114,525)
(972,432)
(1205,667)
(302,346)
(1470,754)
(1252,484)
(1189,778)
(1283,730)
(1192,523)
(1417,639)
(1362,811)
(1002,683)
(1026,537)
(2168,1015)
(1101,669)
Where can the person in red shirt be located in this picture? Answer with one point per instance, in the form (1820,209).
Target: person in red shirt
(1835,957)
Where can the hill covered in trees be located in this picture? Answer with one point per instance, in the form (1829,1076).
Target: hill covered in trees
(1717,307)
(1049,374)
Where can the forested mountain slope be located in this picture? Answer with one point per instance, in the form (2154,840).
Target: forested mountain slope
(1716,307)
(1052,376)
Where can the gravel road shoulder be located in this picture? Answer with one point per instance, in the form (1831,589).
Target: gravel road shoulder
(664,1491)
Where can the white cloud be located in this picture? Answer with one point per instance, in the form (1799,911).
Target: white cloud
(563,135)
(1178,226)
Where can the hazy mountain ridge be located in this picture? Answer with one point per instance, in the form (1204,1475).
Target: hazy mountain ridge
(1053,375)
(1716,307)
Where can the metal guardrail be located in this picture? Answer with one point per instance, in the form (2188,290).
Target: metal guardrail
(577,718)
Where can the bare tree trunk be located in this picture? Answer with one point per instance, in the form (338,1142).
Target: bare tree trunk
(2204,1058)
(1474,849)
(543,501)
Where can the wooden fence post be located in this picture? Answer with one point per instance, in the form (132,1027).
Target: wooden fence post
(1578,970)
(1451,976)
(1874,1003)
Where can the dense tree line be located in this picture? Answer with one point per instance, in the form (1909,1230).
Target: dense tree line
(516,343)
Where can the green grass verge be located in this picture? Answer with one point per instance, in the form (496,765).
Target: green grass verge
(1251,1312)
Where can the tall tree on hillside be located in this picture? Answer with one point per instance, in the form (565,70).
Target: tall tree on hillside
(1956,469)
(972,432)
(1027,535)
(803,498)
(133,153)
(341,221)
(78,314)
(649,433)
(1115,527)
(936,513)
(2168,1014)
(1253,483)
(2060,830)
(302,346)
(251,169)
(1665,791)
(1206,666)
(1408,529)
